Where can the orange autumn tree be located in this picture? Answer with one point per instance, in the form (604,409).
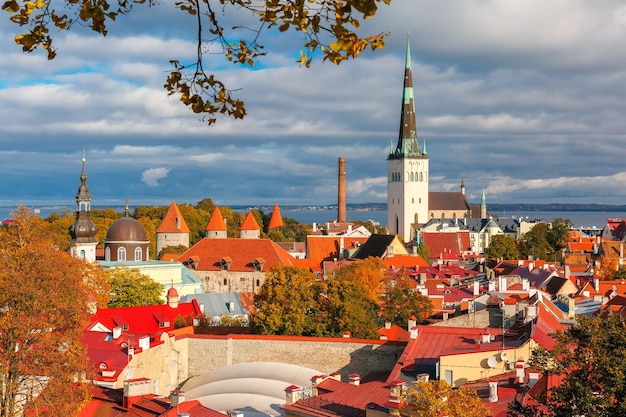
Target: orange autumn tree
(45,299)
(437,398)
(370,271)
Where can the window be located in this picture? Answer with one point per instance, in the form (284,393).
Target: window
(82,253)
(121,254)
(225,281)
(107,254)
(138,254)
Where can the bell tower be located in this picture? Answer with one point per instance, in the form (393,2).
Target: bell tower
(407,169)
(83,230)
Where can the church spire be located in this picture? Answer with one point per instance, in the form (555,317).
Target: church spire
(408,145)
(483,206)
(83,231)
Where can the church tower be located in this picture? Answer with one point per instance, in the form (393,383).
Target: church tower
(83,230)
(407,169)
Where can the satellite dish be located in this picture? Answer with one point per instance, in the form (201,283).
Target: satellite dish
(492,362)
(504,355)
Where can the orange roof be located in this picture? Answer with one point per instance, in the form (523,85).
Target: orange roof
(405,261)
(443,243)
(216,222)
(328,247)
(173,222)
(276,220)
(250,223)
(209,253)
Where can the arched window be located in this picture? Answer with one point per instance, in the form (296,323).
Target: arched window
(138,254)
(225,281)
(107,254)
(412,177)
(421,176)
(121,254)
(82,254)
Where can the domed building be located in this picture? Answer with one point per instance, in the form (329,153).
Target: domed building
(83,231)
(126,240)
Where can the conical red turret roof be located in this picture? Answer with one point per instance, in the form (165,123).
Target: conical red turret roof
(276,220)
(173,222)
(216,222)
(250,223)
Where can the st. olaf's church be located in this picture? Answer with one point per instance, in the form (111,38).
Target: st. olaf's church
(410,204)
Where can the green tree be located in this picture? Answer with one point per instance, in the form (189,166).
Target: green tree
(178,249)
(44,303)
(401,301)
(424,251)
(292,302)
(557,235)
(589,357)
(436,398)
(502,247)
(129,287)
(329,30)
(535,242)
(284,302)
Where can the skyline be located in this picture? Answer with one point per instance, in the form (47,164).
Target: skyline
(523,100)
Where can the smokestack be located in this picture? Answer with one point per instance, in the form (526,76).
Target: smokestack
(341,191)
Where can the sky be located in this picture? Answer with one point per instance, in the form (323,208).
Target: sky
(524,99)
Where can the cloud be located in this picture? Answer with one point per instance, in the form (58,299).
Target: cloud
(151,176)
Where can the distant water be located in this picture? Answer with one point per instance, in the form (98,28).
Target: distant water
(308,215)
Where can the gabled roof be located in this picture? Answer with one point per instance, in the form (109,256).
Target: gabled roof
(216,222)
(218,304)
(250,223)
(442,243)
(377,246)
(173,222)
(276,220)
(208,253)
(321,247)
(143,319)
(446,201)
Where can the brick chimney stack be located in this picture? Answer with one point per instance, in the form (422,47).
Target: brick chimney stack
(341,191)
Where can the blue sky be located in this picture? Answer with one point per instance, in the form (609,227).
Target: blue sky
(524,99)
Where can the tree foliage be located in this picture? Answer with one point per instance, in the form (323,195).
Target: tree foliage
(45,300)
(557,235)
(502,247)
(401,301)
(327,26)
(370,271)
(437,398)
(292,302)
(535,242)
(129,287)
(590,357)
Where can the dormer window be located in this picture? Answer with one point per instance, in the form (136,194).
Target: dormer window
(225,263)
(258,264)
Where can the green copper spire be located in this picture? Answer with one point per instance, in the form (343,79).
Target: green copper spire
(483,200)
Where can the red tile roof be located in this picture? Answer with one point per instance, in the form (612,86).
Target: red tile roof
(446,244)
(209,252)
(276,220)
(173,222)
(216,222)
(321,247)
(250,223)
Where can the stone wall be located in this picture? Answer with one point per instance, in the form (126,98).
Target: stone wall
(326,355)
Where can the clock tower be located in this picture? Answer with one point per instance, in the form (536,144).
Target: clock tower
(407,169)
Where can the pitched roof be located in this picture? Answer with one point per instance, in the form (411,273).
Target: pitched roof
(376,246)
(250,223)
(208,253)
(216,222)
(441,243)
(322,247)
(173,222)
(276,220)
(446,200)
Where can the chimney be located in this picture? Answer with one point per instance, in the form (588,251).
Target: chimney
(422,378)
(519,368)
(134,389)
(354,379)
(492,286)
(314,227)
(341,246)
(346,334)
(336,376)
(387,325)
(413,332)
(476,285)
(341,191)
(177,397)
(314,382)
(235,413)
(411,323)
(493,391)
(395,390)
(502,283)
(293,393)
(525,284)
